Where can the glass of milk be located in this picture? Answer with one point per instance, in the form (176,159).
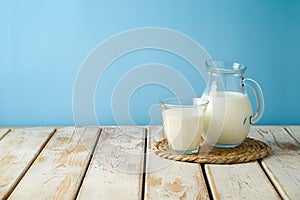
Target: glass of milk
(183,122)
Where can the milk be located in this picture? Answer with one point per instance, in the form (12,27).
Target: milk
(227,118)
(183,127)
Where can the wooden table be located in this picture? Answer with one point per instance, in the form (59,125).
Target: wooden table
(118,163)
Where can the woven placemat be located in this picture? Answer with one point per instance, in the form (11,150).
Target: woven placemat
(249,150)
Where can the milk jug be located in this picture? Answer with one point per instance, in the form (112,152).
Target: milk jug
(229,113)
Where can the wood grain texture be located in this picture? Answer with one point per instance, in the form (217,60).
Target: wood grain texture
(3,132)
(168,179)
(116,171)
(59,169)
(283,166)
(294,131)
(239,181)
(18,149)
(34,167)
(247,181)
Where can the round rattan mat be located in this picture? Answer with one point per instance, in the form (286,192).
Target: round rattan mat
(249,150)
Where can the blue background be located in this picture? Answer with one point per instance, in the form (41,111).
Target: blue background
(44,43)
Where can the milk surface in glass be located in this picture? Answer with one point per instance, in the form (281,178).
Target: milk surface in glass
(183,127)
(232,112)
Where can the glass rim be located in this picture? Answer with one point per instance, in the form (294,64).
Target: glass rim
(167,102)
(229,67)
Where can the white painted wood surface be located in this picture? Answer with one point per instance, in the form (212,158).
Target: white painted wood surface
(37,164)
(58,171)
(116,171)
(18,149)
(3,132)
(239,181)
(167,179)
(242,181)
(283,166)
(294,131)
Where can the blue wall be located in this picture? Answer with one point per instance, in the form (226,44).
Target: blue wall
(43,44)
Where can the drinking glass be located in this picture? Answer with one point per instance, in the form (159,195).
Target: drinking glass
(183,122)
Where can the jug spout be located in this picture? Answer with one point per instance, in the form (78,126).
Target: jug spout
(225,76)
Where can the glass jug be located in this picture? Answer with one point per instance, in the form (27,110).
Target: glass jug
(229,113)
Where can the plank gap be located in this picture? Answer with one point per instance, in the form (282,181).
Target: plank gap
(170,179)
(259,161)
(116,168)
(290,134)
(9,130)
(210,195)
(88,164)
(145,164)
(9,192)
(282,166)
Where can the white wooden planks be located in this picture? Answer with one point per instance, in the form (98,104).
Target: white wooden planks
(18,149)
(116,171)
(294,131)
(43,165)
(283,166)
(3,132)
(59,169)
(239,181)
(167,179)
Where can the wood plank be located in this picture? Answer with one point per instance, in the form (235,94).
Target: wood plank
(239,181)
(294,131)
(116,171)
(282,166)
(59,169)
(167,179)
(246,181)
(3,132)
(277,137)
(18,149)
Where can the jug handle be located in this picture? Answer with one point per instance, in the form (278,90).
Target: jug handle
(259,99)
